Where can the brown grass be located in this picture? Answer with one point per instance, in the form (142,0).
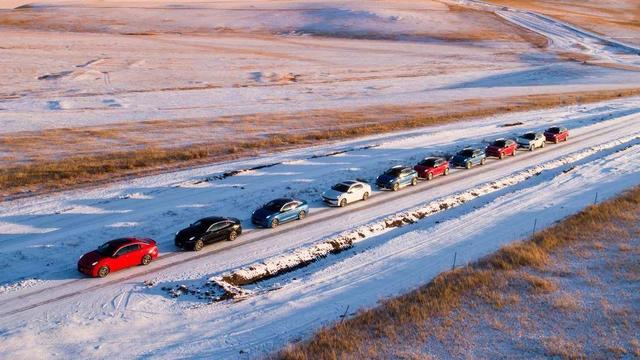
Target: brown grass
(371,331)
(40,173)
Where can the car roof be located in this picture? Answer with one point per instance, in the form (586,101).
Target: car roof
(350,182)
(282,201)
(213,219)
(122,241)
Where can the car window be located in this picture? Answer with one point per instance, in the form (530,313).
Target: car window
(288,206)
(429,162)
(218,226)
(394,171)
(356,187)
(128,249)
(466,153)
(529,136)
(341,187)
(499,143)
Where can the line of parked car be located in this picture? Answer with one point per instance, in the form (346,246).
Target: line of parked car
(126,252)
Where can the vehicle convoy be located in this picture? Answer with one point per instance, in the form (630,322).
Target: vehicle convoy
(556,134)
(397,177)
(116,255)
(501,148)
(531,141)
(431,167)
(347,192)
(280,211)
(206,231)
(122,253)
(469,157)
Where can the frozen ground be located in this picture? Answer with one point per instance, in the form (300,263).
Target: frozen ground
(48,306)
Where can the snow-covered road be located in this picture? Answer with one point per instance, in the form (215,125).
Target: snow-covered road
(41,237)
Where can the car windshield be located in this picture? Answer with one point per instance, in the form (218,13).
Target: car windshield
(393,171)
(466,153)
(340,187)
(499,143)
(198,224)
(428,162)
(529,136)
(273,205)
(108,248)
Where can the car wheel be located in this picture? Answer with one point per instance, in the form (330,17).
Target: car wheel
(343,203)
(302,214)
(446,171)
(501,156)
(483,161)
(146,260)
(365,196)
(198,245)
(414,181)
(429,176)
(274,223)
(103,271)
(233,235)
(513,153)
(395,187)
(555,141)
(468,165)
(543,143)
(531,147)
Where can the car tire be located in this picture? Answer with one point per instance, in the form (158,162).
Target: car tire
(146,260)
(429,176)
(531,147)
(103,271)
(301,215)
(468,165)
(395,187)
(233,235)
(555,141)
(414,181)
(343,203)
(198,245)
(365,196)
(274,223)
(513,153)
(543,144)
(446,171)
(483,161)
(501,156)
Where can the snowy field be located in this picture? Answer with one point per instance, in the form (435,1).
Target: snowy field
(47,304)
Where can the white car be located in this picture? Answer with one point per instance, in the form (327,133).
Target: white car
(531,141)
(347,192)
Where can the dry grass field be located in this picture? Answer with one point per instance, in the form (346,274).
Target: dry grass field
(571,291)
(62,158)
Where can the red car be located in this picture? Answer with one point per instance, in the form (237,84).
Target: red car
(556,134)
(501,148)
(432,167)
(116,255)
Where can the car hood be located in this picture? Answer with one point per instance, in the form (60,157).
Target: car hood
(186,234)
(384,178)
(332,194)
(263,213)
(91,257)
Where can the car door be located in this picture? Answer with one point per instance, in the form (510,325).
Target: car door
(439,169)
(404,177)
(125,257)
(355,193)
(287,212)
(215,232)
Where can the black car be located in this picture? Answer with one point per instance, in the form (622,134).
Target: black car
(207,231)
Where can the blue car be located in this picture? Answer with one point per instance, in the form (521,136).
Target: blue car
(280,211)
(469,157)
(397,177)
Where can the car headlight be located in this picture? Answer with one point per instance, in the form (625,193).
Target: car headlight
(191,238)
(94,263)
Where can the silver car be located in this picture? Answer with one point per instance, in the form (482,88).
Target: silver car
(531,141)
(347,192)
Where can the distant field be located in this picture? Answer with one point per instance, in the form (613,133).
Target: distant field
(619,19)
